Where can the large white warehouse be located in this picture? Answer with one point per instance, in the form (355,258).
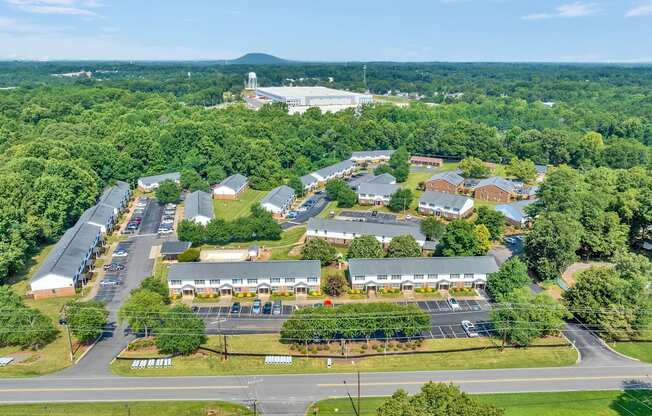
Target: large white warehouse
(299,99)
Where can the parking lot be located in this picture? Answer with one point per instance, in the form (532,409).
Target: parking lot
(446,323)
(375,217)
(113,279)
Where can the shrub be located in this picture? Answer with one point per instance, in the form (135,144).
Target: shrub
(189,256)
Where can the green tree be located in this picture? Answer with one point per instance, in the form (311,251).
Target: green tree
(86,320)
(551,245)
(191,231)
(403,246)
(168,191)
(189,256)
(461,239)
(432,228)
(512,275)
(521,317)
(180,331)
(339,191)
(616,306)
(335,285)
(21,325)
(142,311)
(633,266)
(472,167)
(192,181)
(482,236)
(492,219)
(296,185)
(436,399)
(157,286)
(399,163)
(523,170)
(366,246)
(318,249)
(401,200)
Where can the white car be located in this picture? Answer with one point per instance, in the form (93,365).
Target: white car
(120,253)
(167,221)
(469,328)
(165,231)
(452,302)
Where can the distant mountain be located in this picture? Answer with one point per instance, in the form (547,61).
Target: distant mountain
(259,59)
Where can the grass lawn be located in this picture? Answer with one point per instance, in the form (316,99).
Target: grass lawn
(268,343)
(232,209)
(163,408)
(54,356)
(289,237)
(641,350)
(581,403)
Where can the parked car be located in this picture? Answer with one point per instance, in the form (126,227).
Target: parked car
(120,253)
(267,308)
(110,281)
(292,214)
(170,205)
(469,328)
(165,231)
(510,240)
(255,307)
(113,267)
(520,237)
(141,203)
(235,308)
(277,308)
(452,302)
(167,221)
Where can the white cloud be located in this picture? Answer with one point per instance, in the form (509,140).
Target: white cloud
(642,10)
(63,7)
(8,25)
(570,10)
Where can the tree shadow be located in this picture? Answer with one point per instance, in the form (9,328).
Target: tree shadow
(636,399)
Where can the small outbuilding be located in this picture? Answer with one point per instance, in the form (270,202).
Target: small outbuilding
(171,249)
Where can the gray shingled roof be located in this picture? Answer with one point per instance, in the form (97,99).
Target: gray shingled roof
(504,184)
(449,176)
(377,189)
(541,169)
(308,180)
(198,203)
(443,199)
(372,153)
(385,178)
(99,214)
(174,247)
(150,180)
(423,265)
(278,196)
(336,168)
(116,196)
(69,252)
(365,228)
(515,210)
(235,182)
(245,270)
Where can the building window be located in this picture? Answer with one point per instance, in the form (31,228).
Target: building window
(200,290)
(432,276)
(455,276)
(313,280)
(468,275)
(396,285)
(382,277)
(200,282)
(275,280)
(359,278)
(468,284)
(215,282)
(252,281)
(396,277)
(289,280)
(175,282)
(418,277)
(236,281)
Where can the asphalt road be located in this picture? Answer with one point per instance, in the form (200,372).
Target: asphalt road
(291,394)
(138,267)
(304,216)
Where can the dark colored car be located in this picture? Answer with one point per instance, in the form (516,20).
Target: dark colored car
(235,308)
(267,308)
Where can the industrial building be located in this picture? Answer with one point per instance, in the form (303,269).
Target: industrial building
(300,99)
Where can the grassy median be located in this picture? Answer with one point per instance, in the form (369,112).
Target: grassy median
(162,408)
(581,403)
(212,364)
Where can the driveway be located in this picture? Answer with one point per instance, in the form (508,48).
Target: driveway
(302,217)
(138,267)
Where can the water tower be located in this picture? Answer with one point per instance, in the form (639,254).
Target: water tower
(252,81)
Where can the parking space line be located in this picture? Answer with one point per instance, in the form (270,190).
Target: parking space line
(442,332)
(432,335)
(453,331)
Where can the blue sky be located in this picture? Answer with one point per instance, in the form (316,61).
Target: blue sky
(336,30)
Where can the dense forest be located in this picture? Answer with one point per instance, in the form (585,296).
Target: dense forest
(62,140)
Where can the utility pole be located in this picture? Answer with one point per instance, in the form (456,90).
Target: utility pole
(364,75)
(64,322)
(226,352)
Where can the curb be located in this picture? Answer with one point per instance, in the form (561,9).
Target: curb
(87,350)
